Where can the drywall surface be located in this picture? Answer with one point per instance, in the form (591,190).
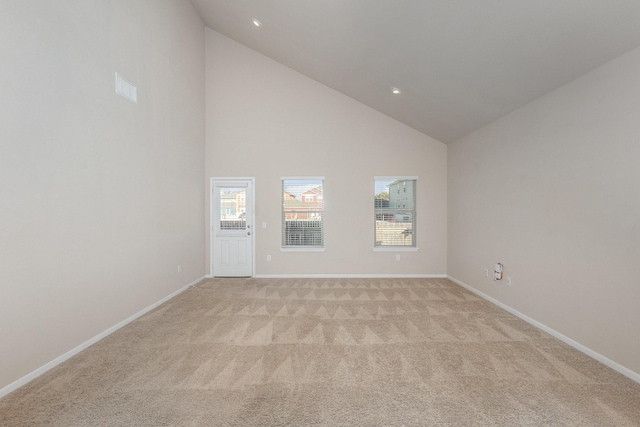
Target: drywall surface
(101,198)
(266,121)
(551,191)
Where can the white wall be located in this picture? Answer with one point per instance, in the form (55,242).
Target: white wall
(100,198)
(266,121)
(553,192)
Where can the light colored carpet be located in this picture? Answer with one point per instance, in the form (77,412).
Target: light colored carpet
(300,352)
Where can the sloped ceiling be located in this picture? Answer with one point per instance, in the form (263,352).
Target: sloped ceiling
(460,63)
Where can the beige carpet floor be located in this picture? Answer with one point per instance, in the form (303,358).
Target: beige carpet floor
(301,352)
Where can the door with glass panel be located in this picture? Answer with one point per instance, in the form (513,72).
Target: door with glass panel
(232,227)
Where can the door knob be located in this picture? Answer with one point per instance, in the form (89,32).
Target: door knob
(249,233)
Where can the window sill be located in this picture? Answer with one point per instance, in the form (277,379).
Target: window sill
(301,249)
(395,249)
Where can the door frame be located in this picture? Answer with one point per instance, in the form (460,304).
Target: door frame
(212,211)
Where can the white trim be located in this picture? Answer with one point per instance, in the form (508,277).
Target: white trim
(58,360)
(212,209)
(586,350)
(395,249)
(350,276)
(302,249)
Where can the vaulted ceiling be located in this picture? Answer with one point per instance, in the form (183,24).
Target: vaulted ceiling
(460,64)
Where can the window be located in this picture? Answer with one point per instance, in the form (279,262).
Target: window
(394,212)
(231,205)
(302,213)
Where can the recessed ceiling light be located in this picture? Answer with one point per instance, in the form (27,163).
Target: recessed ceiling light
(395,91)
(257,23)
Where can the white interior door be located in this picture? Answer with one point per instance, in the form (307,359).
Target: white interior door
(232,227)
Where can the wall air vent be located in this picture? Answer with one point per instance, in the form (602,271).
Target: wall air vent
(127,89)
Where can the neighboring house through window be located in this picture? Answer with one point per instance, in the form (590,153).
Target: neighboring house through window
(302,213)
(395,212)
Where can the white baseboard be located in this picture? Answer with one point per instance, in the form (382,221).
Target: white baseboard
(350,276)
(586,350)
(35,374)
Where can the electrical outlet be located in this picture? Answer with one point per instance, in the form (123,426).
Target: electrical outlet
(508,281)
(268,257)
(397,257)
(179,268)
(486,272)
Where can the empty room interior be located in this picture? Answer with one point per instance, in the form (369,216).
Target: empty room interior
(297,212)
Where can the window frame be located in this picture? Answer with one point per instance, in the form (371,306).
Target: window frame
(302,248)
(398,211)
